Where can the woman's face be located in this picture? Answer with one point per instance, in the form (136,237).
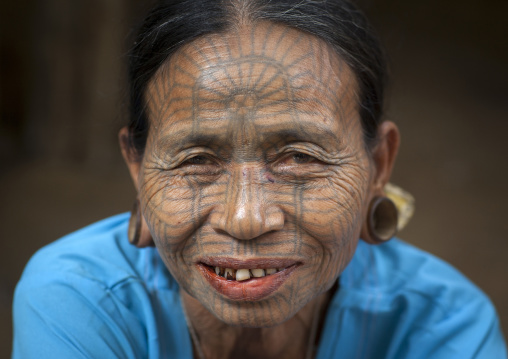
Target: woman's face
(255,159)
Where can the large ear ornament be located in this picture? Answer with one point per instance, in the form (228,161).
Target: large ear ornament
(381,220)
(388,214)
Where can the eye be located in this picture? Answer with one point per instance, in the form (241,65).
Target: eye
(298,158)
(302,158)
(198,160)
(298,163)
(201,164)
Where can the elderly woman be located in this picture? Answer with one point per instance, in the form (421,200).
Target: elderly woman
(258,151)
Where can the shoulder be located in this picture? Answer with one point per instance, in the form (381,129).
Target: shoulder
(422,301)
(91,281)
(396,267)
(87,252)
(99,252)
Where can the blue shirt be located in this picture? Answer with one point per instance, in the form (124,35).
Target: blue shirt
(93,295)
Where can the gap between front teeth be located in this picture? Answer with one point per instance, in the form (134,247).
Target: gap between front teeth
(244,274)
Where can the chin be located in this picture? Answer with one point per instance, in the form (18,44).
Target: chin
(252,314)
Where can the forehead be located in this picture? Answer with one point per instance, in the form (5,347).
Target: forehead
(268,74)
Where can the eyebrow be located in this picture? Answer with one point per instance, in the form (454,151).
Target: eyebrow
(307,132)
(180,139)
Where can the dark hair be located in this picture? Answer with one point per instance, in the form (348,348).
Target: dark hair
(173,23)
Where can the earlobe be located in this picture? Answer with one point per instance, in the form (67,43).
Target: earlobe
(129,155)
(138,233)
(381,222)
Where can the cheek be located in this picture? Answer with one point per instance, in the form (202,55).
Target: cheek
(175,208)
(333,217)
(169,206)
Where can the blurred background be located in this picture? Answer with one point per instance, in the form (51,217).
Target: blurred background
(62,89)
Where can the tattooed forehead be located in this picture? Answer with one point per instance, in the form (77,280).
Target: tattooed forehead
(266,77)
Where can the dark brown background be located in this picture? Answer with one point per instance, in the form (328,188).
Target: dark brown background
(61,91)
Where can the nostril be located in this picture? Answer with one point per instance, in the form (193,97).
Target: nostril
(220,231)
(248,227)
(275,220)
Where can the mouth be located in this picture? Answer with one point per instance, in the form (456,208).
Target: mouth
(246,280)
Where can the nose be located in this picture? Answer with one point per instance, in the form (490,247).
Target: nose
(246,212)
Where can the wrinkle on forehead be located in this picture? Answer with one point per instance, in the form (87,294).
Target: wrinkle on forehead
(257,73)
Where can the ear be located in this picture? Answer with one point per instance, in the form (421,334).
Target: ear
(383,157)
(139,234)
(130,156)
(384,154)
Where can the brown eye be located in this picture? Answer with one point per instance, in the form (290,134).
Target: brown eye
(198,160)
(302,158)
(201,165)
(299,164)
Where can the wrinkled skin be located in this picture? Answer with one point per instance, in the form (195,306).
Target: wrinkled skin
(256,150)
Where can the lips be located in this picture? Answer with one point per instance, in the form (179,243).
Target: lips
(250,280)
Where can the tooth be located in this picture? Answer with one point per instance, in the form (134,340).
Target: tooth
(258,273)
(242,274)
(217,270)
(271,271)
(229,274)
(221,272)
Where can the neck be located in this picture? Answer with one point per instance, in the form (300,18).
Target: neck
(291,339)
